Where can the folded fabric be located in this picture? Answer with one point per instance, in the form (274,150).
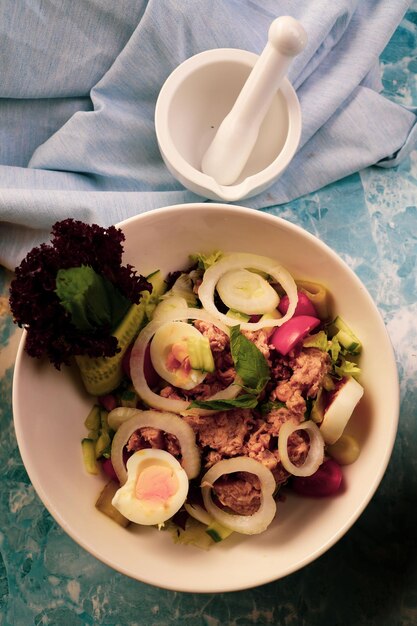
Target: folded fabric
(80,82)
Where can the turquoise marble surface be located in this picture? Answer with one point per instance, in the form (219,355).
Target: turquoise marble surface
(370,576)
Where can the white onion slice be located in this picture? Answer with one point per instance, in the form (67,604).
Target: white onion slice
(244,261)
(315,454)
(197,512)
(245,524)
(119,415)
(167,306)
(169,423)
(137,361)
(339,411)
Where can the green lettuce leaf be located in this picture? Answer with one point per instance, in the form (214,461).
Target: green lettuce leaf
(347,368)
(318,340)
(204,261)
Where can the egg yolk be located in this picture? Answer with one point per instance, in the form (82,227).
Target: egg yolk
(156,483)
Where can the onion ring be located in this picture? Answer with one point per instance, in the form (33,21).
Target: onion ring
(245,524)
(315,454)
(169,423)
(238,261)
(137,361)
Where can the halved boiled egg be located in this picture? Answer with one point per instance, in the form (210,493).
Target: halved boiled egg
(155,489)
(181,354)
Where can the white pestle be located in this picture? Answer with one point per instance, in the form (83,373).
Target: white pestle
(236,136)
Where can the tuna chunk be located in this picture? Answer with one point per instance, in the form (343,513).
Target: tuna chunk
(148,437)
(224,432)
(310,367)
(239,492)
(219,341)
(260,338)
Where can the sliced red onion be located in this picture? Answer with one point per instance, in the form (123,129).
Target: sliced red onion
(137,366)
(315,454)
(287,336)
(236,261)
(246,524)
(169,423)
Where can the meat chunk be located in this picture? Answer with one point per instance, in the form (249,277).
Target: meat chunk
(149,437)
(260,338)
(310,366)
(146,437)
(218,340)
(224,431)
(240,492)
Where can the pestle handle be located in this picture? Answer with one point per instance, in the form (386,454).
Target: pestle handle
(236,136)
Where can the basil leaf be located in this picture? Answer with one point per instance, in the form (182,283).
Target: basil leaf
(250,363)
(270,405)
(245,401)
(91,300)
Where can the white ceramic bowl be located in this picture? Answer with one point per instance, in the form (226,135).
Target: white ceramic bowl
(50,407)
(193,102)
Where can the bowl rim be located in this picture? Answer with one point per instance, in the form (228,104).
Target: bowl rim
(195,179)
(27,457)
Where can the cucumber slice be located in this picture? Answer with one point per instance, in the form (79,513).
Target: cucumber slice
(176,337)
(104,504)
(218,532)
(93,420)
(247,292)
(200,355)
(88,447)
(346,337)
(102,444)
(103,374)
(238,316)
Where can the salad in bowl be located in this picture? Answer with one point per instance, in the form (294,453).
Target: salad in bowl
(220,388)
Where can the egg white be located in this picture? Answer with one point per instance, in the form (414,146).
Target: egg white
(150,512)
(162,342)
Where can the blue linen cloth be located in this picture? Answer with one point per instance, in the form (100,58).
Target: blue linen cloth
(80,79)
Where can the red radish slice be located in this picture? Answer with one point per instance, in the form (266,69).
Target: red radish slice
(108,469)
(287,336)
(304,305)
(326,481)
(108,402)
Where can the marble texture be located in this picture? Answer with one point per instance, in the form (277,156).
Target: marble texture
(370,576)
